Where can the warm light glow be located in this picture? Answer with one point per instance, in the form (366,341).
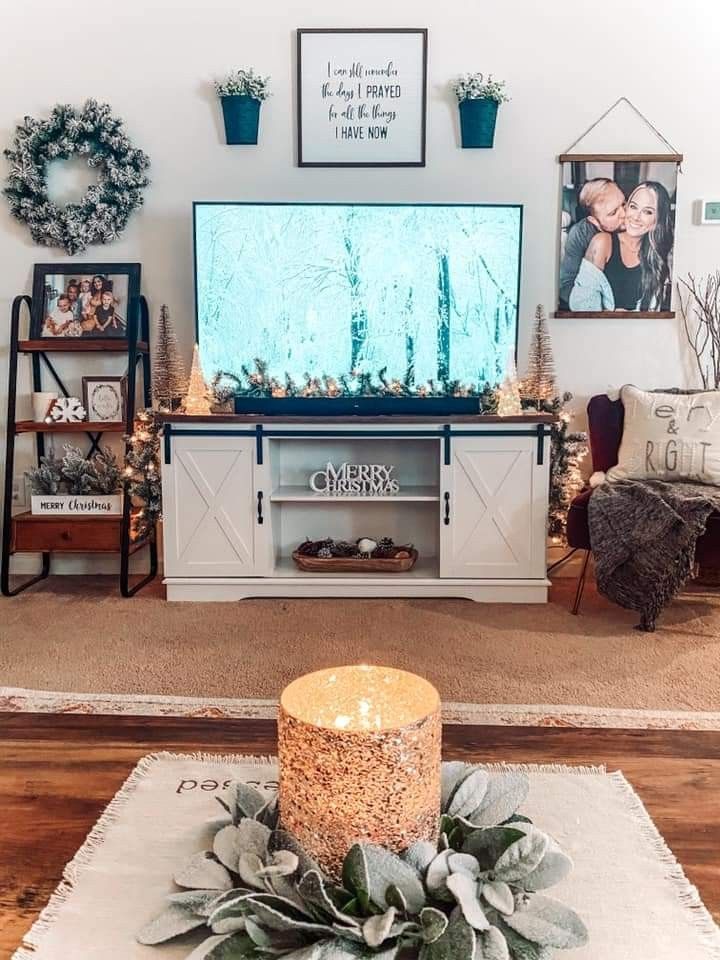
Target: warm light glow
(359,759)
(360,698)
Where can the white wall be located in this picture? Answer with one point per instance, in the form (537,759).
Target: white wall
(565,63)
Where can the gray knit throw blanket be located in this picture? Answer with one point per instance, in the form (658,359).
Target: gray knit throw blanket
(643,535)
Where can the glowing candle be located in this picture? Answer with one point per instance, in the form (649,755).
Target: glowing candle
(359,752)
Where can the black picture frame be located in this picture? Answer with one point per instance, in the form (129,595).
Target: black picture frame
(120,381)
(423,33)
(40,292)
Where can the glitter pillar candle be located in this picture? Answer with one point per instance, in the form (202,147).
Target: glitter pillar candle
(359,753)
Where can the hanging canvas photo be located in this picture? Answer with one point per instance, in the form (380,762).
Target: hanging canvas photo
(617,234)
(88,301)
(361,97)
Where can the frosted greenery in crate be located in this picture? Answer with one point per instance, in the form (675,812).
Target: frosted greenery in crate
(473,895)
(76,485)
(478,100)
(241,94)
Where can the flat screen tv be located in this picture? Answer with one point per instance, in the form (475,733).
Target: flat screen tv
(414,304)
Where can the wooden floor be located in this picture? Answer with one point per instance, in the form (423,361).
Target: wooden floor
(57,772)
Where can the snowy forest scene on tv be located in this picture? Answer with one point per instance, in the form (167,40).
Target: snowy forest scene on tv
(427,293)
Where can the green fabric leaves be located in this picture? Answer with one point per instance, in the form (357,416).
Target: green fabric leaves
(470,896)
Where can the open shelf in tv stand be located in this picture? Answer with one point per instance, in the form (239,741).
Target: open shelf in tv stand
(472,499)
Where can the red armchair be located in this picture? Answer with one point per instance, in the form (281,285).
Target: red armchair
(605,429)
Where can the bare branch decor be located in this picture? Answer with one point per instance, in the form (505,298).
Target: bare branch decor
(701,319)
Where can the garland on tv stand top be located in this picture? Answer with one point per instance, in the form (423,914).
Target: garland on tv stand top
(257,382)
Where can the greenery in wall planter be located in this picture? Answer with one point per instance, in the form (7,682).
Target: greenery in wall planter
(478,101)
(241,94)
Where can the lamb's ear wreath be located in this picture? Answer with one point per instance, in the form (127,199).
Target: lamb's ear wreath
(102,213)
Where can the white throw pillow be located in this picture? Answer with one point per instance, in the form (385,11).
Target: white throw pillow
(669,436)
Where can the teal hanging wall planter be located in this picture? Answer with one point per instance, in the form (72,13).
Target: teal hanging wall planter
(241,93)
(478,101)
(477,122)
(242,119)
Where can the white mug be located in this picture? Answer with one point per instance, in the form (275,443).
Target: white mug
(41,402)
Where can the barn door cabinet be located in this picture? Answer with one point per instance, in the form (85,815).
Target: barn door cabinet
(473,500)
(212,502)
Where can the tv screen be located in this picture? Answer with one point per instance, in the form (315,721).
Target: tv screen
(422,292)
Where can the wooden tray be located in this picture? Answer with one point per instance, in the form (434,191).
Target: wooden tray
(355,565)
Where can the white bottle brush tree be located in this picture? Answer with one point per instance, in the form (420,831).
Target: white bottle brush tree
(539,381)
(170,381)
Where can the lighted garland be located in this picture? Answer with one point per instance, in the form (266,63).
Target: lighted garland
(257,382)
(475,893)
(90,132)
(142,473)
(567,452)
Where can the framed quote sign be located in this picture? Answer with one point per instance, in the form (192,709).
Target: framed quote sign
(362,97)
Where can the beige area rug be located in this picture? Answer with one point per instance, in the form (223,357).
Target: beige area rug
(625,884)
(492,663)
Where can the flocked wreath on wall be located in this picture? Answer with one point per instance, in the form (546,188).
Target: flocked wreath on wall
(102,213)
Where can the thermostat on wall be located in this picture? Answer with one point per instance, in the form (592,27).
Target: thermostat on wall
(709,211)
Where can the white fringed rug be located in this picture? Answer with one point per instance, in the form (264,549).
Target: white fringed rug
(20,700)
(626,885)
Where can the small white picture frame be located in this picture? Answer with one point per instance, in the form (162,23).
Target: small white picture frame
(105,398)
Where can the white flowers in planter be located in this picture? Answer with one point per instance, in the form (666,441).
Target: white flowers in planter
(474,86)
(243,83)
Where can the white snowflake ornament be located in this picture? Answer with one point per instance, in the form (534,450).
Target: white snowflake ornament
(66,410)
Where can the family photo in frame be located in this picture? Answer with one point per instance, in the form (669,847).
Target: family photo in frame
(617,234)
(88,301)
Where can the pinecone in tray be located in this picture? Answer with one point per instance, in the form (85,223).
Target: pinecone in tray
(328,548)
(385,548)
(341,548)
(312,548)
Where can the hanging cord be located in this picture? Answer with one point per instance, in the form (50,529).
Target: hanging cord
(638,112)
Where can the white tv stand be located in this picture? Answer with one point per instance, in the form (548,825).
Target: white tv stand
(473,500)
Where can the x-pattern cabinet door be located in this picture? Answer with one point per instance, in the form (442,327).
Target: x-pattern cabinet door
(212,526)
(493,509)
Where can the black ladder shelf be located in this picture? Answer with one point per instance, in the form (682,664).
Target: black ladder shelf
(25,533)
